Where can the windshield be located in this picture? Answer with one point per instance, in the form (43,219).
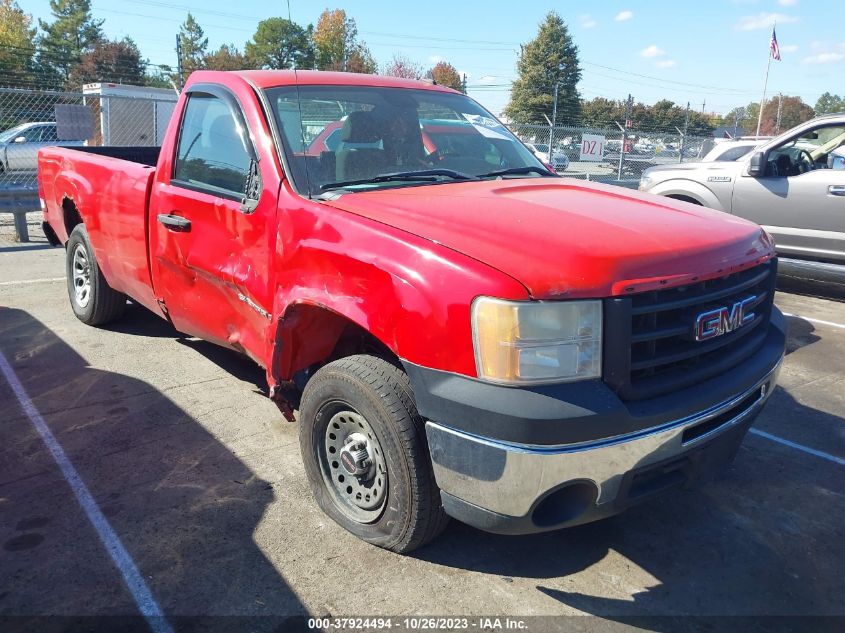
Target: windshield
(11,133)
(727,153)
(362,137)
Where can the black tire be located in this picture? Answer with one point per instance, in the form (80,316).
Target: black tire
(102,303)
(411,513)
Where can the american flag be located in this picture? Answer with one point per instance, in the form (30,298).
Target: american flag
(773,46)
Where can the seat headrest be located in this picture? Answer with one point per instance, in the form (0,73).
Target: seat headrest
(360,127)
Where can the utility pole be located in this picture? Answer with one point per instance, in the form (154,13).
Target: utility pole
(179,71)
(736,123)
(703,104)
(780,108)
(553,123)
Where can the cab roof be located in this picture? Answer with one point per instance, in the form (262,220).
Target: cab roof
(273,78)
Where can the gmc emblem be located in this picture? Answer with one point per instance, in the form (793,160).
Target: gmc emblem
(723,320)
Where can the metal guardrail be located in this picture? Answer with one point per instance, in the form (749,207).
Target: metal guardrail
(19,202)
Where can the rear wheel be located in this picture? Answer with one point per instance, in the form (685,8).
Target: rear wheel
(94,302)
(365,454)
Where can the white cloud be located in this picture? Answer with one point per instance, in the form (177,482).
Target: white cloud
(824,58)
(623,16)
(666,63)
(587,22)
(763,21)
(789,48)
(787,3)
(434,59)
(652,51)
(488,80)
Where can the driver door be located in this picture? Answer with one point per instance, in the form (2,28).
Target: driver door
(805,213)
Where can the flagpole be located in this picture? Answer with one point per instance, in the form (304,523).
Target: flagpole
(765,85)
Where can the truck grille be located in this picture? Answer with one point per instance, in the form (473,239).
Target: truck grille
(651,347)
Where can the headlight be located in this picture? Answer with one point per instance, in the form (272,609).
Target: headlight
(645,182)
(529,343)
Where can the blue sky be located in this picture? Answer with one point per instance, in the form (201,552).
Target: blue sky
(712,53)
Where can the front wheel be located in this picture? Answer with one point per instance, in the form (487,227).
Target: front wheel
(366,459)
(94,302)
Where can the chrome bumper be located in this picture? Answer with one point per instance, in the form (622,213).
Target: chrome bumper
(509,479)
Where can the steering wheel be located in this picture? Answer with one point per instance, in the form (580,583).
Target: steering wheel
(440,155)
(803,165)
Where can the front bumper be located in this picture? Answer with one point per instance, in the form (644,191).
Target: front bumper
(527,460)
(514,489)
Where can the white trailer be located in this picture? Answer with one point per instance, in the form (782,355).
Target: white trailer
(130,115)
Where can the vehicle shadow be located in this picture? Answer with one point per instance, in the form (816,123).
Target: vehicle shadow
(800,334)
(139,321)
(760,539)
(184,506)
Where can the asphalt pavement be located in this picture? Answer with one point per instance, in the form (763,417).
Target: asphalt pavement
(194,481)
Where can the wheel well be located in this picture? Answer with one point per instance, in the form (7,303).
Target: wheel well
(682,198)
(70,214)
(311,336)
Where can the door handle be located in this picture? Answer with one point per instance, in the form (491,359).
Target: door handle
(174,222)
(836,190)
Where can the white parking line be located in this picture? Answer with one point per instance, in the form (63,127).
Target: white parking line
(819,321)
(32,281)
(123,561)
(800,447)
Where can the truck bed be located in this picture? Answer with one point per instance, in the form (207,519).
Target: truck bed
(140,154)
(108,188)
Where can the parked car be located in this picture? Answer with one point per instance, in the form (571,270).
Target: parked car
(559,161)
(19,145)
(791,185)
(463,333)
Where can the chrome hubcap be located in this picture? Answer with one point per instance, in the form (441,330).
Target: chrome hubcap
(353,466)
(81,276)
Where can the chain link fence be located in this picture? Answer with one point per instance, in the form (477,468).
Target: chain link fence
(616,155)
(101,114)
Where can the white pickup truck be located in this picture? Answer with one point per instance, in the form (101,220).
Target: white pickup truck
(792,185)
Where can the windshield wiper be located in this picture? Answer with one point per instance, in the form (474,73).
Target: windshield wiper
(517,171)
(423,175)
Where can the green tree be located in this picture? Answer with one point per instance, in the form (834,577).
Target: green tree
(445,74)
(279,43)
(829,103)
(114,62)
(227,57)
(194,45)
(72,33)
(159,76)
(601,112)
(336,44)
(550,58)
(16,51)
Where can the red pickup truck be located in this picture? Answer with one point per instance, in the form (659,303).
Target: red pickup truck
(462,332)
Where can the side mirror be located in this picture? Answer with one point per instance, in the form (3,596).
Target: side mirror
(20,139)
(835,161)
(757,165)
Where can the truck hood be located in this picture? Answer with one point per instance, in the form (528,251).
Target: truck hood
(710,166)
(567,238)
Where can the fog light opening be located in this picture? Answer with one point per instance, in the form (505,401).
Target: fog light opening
(565,504)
